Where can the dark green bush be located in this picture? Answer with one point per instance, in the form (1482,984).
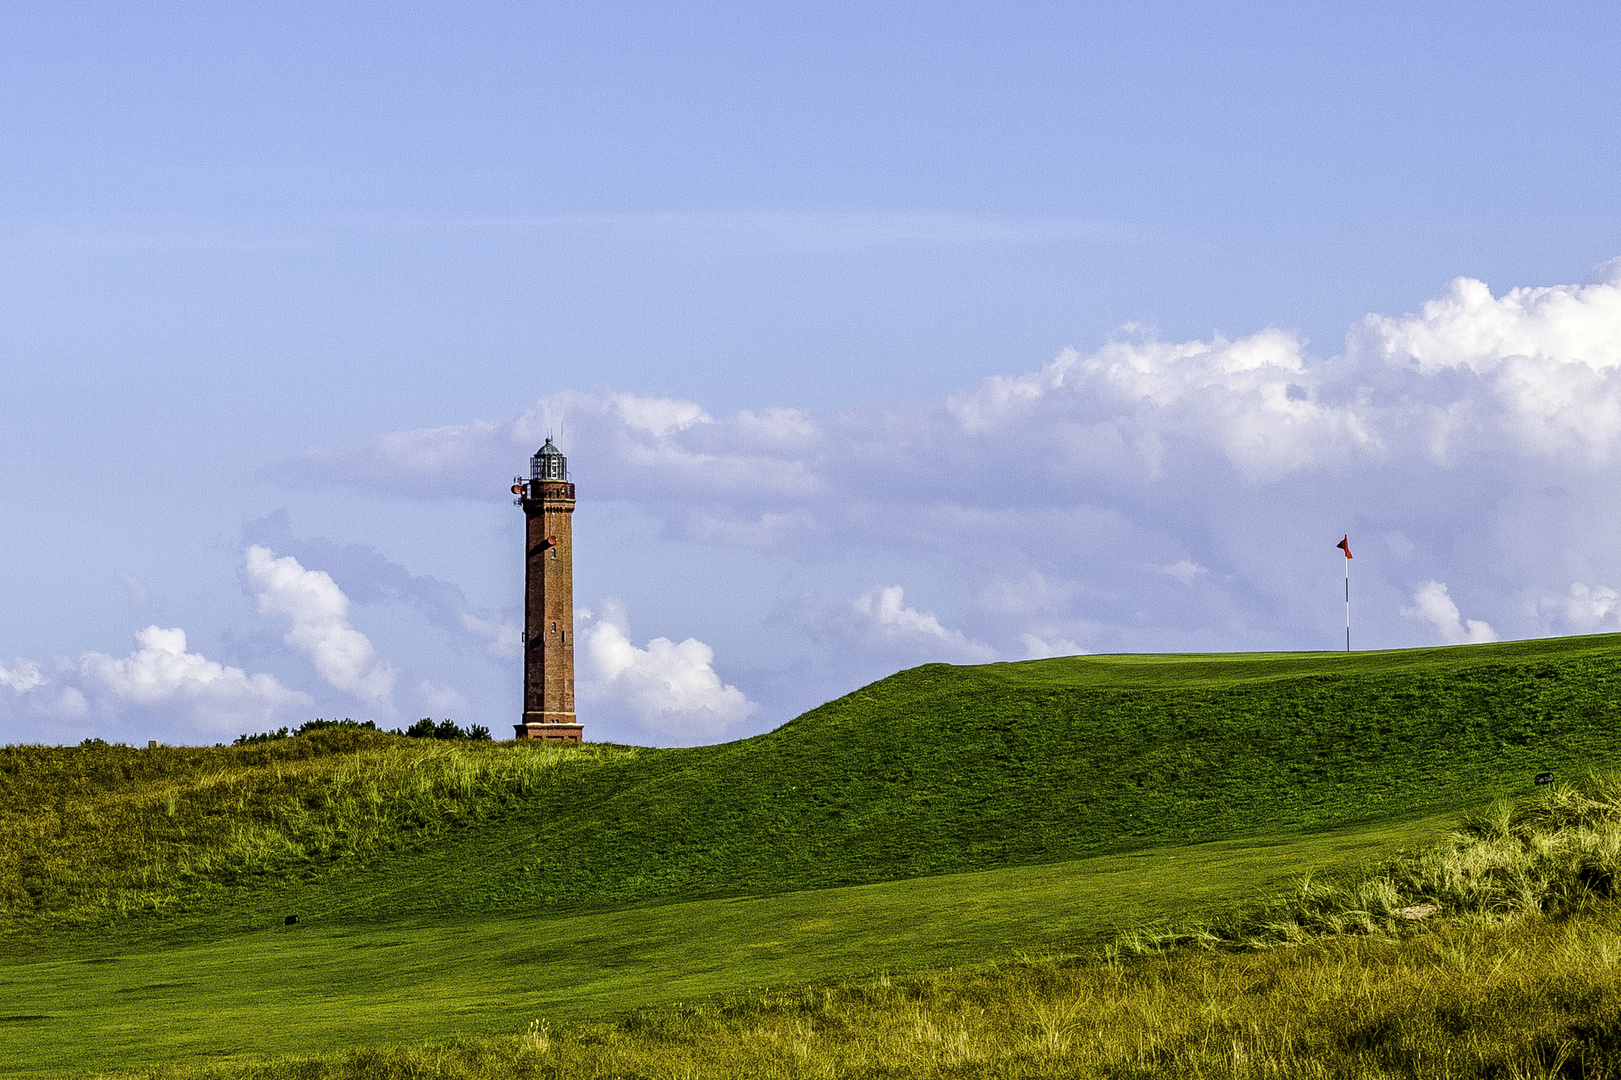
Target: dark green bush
(262,737)
(318,724)
(445,729)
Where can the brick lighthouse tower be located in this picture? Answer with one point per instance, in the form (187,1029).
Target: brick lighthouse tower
(547,499)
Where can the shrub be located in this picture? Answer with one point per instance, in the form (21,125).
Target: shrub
(319,724)
(445,729)
(262,737)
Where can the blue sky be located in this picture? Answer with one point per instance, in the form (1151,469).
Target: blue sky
(876,335)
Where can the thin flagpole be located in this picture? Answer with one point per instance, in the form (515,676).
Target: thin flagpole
(1347,603)
(1345,546)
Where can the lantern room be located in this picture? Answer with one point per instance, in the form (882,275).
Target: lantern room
(548,463)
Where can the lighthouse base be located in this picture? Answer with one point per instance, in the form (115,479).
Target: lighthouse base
(549,727)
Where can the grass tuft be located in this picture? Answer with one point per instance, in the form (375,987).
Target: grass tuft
(1556,854)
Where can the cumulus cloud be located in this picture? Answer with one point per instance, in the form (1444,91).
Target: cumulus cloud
(1432,604)
(883,618)
(670,689)
(1468,373)
(23,677)
(369,577)
(1479,430)
(319,613)
(1536,369)
(161,682)
(1584,608)
(161,672)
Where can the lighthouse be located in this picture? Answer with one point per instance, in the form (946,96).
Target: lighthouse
(547,498)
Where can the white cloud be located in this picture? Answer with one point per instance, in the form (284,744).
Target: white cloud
(443,700)
(636,446)
(319,613)
(792,430)
(22,678)
(763,530)
(1135,407)
(1585,608)
(658,417)
(883,618)
(161,674)
(1477,433)
(160,685)
(670,689)
(1538,369)
(369,577)
(1183,570)
(1038,648)
(1433,605)
(1467,327)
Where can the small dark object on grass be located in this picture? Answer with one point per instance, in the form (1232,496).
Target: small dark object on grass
(1544,777)
(289,920)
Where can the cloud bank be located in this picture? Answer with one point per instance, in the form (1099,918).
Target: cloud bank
(164,687)
(1148,495)
(160,681)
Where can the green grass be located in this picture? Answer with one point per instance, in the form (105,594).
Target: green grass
(1522,981)
(97,834)
(935,770)
(949,769)
(1465,1003)
(943,816)
(1519,977)
(201,994)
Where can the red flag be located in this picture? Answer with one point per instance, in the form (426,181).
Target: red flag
(1345,546)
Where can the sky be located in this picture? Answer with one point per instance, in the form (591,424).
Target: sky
(876,335)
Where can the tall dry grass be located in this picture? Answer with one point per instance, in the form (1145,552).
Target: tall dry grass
(1554,854)
(1533,998)
(91,834)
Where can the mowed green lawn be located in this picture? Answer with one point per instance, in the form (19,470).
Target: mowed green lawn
(328,983)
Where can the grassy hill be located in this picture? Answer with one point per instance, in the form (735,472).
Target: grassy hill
(203,990)
(946,815)
(934,770)
(946,769)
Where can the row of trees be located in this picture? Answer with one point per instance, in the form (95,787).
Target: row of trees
(426,728)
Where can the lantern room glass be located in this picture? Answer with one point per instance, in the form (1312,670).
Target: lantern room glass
(548,464)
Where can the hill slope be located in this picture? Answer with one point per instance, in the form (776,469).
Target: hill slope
(943,769)
(934,770)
